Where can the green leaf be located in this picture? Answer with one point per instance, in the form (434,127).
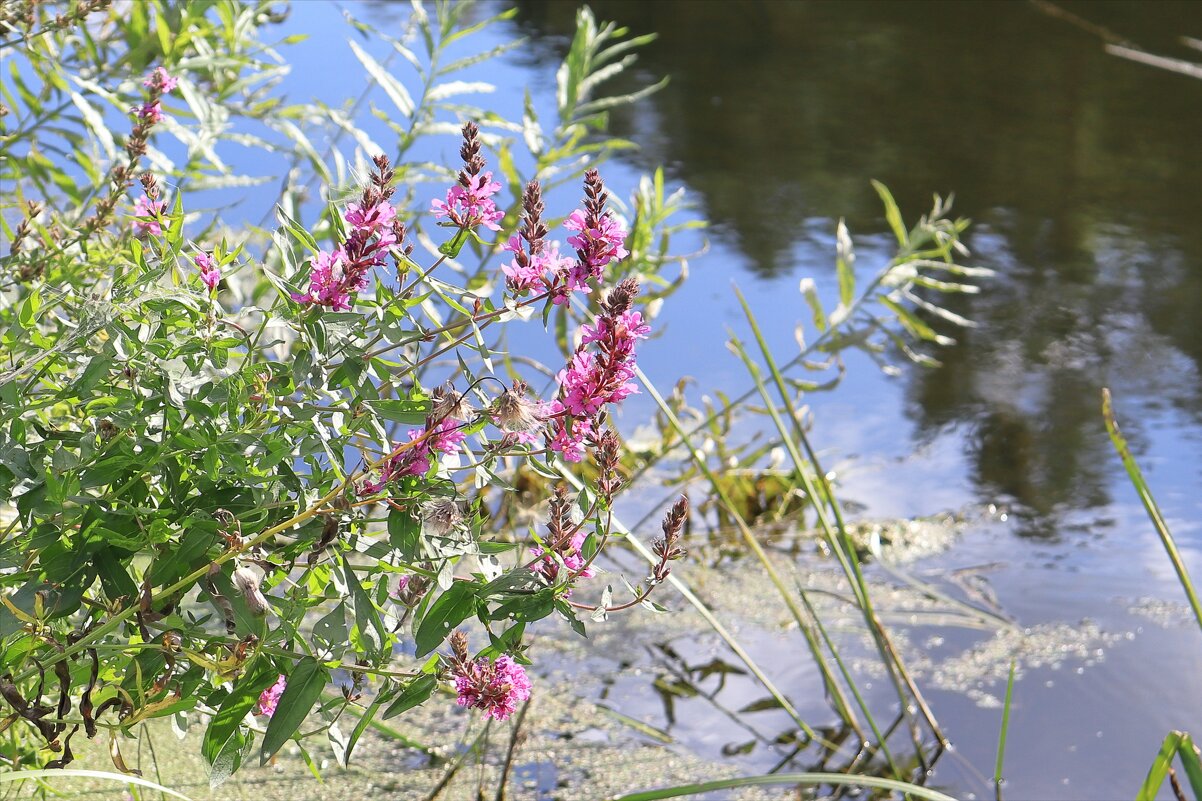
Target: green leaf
(526,608)
(892,214)
(392,87)
(410,412)
(448,611)
(405,534)
(48,776)
(810,779)
(810,293)
(367,620)
(305,683)
(223,728)
(845,259)
(452,246)
(1160,767)
(414,693)
(29,308)
(365,720)
(1192,762)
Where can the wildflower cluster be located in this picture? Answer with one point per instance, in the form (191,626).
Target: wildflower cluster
(538,265)
(565,542)
(210,273)
(374,229)
(600,372)
(149,208)
(308,447)
(469,202)
(413,457)
(496,686)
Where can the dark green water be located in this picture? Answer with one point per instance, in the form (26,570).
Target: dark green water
(1081,171)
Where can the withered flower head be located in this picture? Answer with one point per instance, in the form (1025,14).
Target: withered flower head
(441,516)
(514,412)
(666,548)
(449,404)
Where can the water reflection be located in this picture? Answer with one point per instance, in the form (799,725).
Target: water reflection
(1080,170)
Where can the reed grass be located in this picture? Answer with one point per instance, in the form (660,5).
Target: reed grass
(1002,735)
(1145,495)
(777,779)
(117,778)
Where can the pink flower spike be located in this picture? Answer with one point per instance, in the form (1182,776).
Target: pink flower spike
(497,687)
(471,206)
(269,699)
(331,283)
(160,79)
(153,211)
(374,220)
(210,274)
(149,113)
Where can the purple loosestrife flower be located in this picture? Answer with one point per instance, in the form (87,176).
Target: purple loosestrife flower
(210,274)
(160,80)
(569,554)
(471,205)
(149,113)
(528,272)
(336,275)
(497,686)
(269,699)
(599,240)
(568,435)
(600,372)
(152,209)
(445,437)
(330,282)
(372,219)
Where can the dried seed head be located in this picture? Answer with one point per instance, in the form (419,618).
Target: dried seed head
(666,548)
(449,404)
(247,582)
(441,516)
(533,229)
(514,412)
(608,451)
(106,429)
(473,162)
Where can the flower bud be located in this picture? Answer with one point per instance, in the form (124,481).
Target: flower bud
(248,584)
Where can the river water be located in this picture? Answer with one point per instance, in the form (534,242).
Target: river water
(1081,172)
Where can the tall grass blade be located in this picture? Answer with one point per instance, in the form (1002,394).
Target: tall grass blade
(753,545)
(1145,495)
(809,779)
(1160,767)
(1191,760)
(120,778)
(893,661)
(851,684)
(1001,740)
(828,678)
